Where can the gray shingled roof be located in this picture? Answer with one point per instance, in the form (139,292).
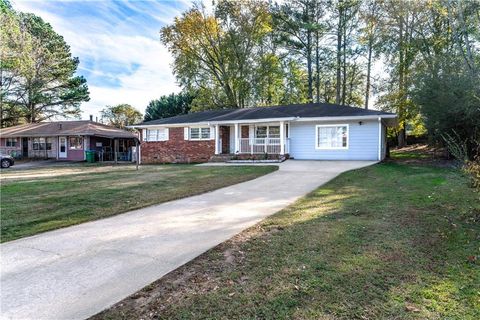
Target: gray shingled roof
(309,110)
(65,128)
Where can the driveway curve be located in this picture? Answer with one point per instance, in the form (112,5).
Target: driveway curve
(76,272)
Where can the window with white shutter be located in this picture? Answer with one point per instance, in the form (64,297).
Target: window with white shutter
(151,135)
(163,134)
(157,134)
(205,133)
(199,133)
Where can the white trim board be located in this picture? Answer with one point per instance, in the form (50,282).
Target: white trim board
(267,120)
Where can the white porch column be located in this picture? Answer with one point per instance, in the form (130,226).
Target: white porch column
(237,141)
(282,137)
(217,139)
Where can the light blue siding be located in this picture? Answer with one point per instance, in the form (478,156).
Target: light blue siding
(363,141)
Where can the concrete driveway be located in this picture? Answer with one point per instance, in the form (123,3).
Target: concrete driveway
(75,272)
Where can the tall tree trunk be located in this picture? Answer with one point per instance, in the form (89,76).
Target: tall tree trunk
(369,68)
(344,77)
(466,40)
(1,99)
(401,80)
(339,53)
(317,67)
(309,66)
(353,74)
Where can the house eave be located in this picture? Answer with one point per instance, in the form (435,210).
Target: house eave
(76,134)
(264,120)
(244,121)
(169,125)
(350,118)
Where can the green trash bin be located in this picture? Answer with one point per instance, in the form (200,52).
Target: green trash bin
(90,155)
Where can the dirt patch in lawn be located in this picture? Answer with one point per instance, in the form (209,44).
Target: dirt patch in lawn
(421,154)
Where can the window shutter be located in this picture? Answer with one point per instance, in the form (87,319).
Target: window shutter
(185,133)
(144,134)
(251,131)
(212,133)
(166,134)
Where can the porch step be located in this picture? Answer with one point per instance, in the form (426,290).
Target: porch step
(247,158)
(221,158)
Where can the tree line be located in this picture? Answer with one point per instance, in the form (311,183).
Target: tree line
(37,71)
(419,59)
(238,54)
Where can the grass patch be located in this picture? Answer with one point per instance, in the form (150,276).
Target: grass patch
(34,201)
(397,154)
(391,241)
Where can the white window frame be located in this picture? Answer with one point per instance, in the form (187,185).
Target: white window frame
(157,135)
(268,130)
(79,146)
(200,128)
(11,142)
(335,126)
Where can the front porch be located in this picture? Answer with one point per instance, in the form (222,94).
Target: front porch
(254,139)
(69,148)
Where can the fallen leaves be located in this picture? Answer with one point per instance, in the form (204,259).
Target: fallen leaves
(412,308)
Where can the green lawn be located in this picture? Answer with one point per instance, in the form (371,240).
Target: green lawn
(392,241)
(34,201)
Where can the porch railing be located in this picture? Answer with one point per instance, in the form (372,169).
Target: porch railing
(110,156)
(261,145)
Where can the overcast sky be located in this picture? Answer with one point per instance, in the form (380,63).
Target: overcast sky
(118,45)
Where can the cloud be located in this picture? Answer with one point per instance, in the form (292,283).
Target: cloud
(118,45)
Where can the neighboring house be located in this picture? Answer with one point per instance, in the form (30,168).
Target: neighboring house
(303,131)
(67,140)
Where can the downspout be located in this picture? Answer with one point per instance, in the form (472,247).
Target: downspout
(137,150)
(379,139)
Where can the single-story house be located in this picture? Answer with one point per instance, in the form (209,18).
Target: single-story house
(302,131)
(67,140)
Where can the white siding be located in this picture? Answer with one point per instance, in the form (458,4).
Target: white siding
(363,141)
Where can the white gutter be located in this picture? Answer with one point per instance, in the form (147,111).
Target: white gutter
(265,120)
(379,139)
(254,120)
(186,124)
(369,117)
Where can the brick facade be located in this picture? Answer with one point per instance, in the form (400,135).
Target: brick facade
(177,149)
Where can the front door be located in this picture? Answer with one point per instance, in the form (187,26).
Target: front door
(25,147)
(62,147)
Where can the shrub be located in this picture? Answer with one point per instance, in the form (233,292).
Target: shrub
(459,150)
(456,146)
(473,169)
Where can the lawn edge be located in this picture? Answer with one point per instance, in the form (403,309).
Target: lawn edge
(138,208)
